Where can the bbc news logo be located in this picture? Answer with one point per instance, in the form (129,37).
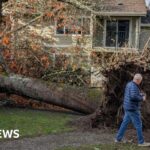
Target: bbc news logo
(9,134)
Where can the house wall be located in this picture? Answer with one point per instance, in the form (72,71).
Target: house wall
(63,40)
(144,36)
(98,32)
(71,41)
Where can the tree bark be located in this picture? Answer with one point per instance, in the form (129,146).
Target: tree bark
(60,95)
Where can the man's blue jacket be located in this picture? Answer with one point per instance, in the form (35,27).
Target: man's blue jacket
(132,97)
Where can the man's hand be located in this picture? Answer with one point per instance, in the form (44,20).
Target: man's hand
(144,98)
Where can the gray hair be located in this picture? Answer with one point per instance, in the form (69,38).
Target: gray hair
(138,76)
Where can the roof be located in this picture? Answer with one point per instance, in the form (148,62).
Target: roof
(123,7)
(113,7)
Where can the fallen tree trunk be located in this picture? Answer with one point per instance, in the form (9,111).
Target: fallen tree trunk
(12,100)
(64,96)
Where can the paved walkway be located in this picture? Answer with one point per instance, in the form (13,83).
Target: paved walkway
(52,142)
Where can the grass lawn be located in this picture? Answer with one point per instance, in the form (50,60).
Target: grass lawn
(107,147)
(34,122)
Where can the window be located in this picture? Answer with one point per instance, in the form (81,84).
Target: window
(117,33)
(73,26)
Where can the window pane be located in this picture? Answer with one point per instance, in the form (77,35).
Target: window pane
(60,26)
(73,26)
(123,32)
(111,33)
(69,26)
(78,26)
(86,26)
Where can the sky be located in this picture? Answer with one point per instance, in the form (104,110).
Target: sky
(147,2)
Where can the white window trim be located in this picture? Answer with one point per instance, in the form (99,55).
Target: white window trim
(73,34)
(137,34)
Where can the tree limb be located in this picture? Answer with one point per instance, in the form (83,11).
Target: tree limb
(78,4)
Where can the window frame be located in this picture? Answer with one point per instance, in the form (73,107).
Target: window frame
(105,32)
(75,34)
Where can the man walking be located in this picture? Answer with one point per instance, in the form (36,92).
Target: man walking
(132,103)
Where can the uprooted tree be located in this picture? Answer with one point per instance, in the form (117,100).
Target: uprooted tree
(118,70)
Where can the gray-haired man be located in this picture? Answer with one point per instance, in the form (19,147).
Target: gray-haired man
(132,104)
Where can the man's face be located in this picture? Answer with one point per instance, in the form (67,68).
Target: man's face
(139,81)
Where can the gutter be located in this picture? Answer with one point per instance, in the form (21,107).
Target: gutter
(132,14)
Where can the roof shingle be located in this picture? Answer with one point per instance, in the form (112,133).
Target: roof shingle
(128,7)
(119,7)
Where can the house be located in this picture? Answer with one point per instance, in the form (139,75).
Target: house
(111,24)
(94,25)
(145,30)
(124,26)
